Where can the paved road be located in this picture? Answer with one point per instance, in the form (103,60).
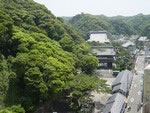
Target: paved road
(135,94)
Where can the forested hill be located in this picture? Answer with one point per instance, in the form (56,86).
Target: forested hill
(39,60)
(118,25)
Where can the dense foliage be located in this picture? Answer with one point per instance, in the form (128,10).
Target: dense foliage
(40,58)
(86,23)
(117,25)
(79,94)
(13,109)
(4,79)
(124,58)
(146,31)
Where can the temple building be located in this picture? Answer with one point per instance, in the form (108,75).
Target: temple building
(105,54)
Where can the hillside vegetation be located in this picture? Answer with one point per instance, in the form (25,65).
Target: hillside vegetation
(118,25)
(40,58)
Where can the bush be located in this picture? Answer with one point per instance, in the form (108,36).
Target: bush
(13,109)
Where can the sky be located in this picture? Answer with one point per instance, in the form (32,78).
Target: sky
(97,7)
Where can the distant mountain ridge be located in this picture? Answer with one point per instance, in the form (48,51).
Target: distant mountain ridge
(117,25)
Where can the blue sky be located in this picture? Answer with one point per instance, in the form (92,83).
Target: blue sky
(97,7)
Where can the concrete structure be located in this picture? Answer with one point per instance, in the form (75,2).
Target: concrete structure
(146,98)
(146,95)
(115,104)
(123,82)
(106,55)
(99,36)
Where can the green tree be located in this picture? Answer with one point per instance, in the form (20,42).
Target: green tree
(123,58)
(88,64)
(4,79)
(41,55)
(13,109)
(5,32)
(146,31)
(80,87)
(67,43)
(42,69)
(85,23)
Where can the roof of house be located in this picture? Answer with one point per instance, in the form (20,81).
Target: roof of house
(143,38)
(147,67)
(123,81)
(114,103)
(118,79)
(123,87)
(104,52)
(99,36)
(121,77)
(98,32)
(127,44)
(103,47)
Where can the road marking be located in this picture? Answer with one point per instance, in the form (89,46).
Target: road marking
(132,99)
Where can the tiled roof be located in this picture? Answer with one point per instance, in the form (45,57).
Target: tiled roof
(98,36)
(115,103)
